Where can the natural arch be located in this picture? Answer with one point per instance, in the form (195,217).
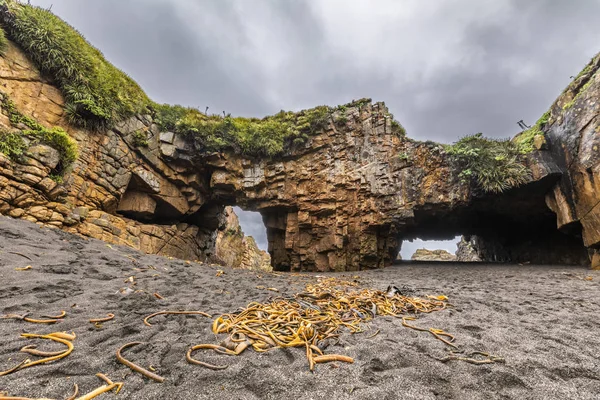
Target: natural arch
(347,200)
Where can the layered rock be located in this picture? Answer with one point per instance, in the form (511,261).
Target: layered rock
(573,138)
(466,250)
(344,200)
(111,180)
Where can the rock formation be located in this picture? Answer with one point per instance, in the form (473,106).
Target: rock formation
(573,138)
(343,199)
(432,255)
(113,192)
(466,250)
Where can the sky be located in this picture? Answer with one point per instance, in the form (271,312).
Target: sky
(445,68)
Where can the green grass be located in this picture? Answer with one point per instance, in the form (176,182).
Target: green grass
(3,42)
(270,136)
(524,141)
(54,137)
(12,144)
(494,165)
(573,91)
(97,94)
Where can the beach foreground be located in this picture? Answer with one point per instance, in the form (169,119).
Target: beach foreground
(542,320)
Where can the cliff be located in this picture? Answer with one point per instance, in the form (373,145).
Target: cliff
(338,188)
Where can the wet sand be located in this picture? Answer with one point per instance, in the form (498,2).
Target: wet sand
(543,320)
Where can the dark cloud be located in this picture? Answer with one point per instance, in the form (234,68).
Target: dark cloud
(445,68)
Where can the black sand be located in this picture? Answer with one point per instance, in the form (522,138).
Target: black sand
(545,321)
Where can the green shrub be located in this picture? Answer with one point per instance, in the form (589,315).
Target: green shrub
(60,140)
(56,178)
(97,94)
(12,144)
(494,165)
(3,42)
(524,140)
(270,136)
(140,139)
(55,137)
(398,128)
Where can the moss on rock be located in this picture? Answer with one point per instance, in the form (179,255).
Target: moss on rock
(270,136)
(12,144)
(526,139)
(55,137)
(3,42)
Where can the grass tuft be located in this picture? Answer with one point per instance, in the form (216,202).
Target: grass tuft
(494,165)
(525,139)
(55,137)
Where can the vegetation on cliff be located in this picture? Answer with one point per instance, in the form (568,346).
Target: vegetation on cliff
(13,144)
(269,136)
(580,83)
(97,94)
(266,137)
(526,138)
(3,42)
(494,165)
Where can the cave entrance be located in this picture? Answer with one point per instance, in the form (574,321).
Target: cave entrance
(142,201)
(268,228)
(429,250)
(252,224)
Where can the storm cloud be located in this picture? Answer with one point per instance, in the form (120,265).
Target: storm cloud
(445,69)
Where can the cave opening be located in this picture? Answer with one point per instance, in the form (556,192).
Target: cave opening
(417,249)
(252,224)
(143,202)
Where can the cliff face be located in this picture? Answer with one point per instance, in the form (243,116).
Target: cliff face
(109,181)
(573,135)
(344,199)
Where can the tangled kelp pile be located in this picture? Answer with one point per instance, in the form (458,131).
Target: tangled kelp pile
(311,318)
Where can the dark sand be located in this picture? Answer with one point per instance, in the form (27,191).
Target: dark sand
(545,321)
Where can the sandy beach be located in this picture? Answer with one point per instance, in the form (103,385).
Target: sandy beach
(543,320)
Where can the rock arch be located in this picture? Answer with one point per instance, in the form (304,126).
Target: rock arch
(342,201)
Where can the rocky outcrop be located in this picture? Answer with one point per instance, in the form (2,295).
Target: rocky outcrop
(237,250)
(343,200)
(432,255)
(573,136)
(551,247)
(115,191)
(466,250)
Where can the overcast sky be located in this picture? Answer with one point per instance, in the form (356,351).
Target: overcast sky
(445,68)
